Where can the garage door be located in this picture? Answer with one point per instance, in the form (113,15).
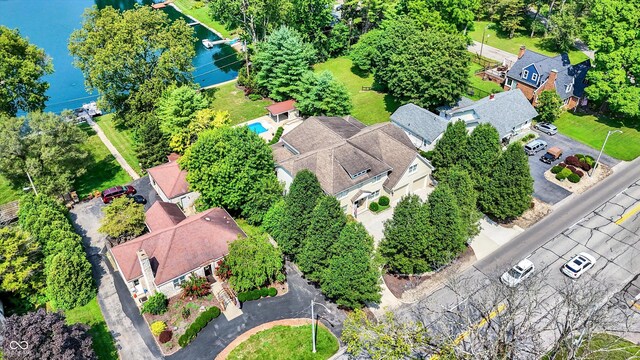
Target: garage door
(418,184)
(399,193)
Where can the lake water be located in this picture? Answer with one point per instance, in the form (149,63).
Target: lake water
(49,23)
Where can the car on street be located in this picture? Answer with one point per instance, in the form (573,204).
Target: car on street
(578,264)
(553,154)
(534,146)
(546,128)
(518,273)
(138,199)
(116,192)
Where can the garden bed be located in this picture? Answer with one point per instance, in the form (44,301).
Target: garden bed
(585,182)
(533,215)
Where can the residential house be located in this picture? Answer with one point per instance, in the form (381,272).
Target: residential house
(355,163)
(175,247)
(285,110)
(509,112)
(534,73)
(170,182)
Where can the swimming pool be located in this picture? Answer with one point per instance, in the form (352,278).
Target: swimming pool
(257,128)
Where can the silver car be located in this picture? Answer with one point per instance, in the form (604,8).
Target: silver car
(518,273)
(534,146)
(547,128)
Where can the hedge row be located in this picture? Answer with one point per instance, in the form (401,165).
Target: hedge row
(276,136)
(256,294)
(200,322)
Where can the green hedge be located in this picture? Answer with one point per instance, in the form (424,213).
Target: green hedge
(374,206)
(563,174)
(276,136)
(256,294)
(195,327)
(383,201)
(556,169)
(574,178)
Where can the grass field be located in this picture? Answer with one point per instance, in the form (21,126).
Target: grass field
(605,347)
(228,97)
(592,130)
(200,11)
(285,342)
(91,315)
(122,139)
(103,171)
(479,84)
(369,106)
(501,41)
(7,192)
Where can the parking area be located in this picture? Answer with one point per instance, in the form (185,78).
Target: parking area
(543,189)
(144,188)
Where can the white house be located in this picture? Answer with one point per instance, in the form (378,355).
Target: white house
(170,182)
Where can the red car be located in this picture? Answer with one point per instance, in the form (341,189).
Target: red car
(116,192)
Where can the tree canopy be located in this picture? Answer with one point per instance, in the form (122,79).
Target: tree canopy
(131,57)
(451,149)
(69,280)
(123,220)
(22,67)
(21,267)
(549,106)
(257,18)
(254,263)
(176,110)
(322,94)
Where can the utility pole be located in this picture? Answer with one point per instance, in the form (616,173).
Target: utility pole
(602,149)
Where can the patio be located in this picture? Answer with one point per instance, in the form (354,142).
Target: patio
(271,126)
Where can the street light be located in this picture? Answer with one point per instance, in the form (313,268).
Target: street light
(313,329)
(602,149)
(482,44)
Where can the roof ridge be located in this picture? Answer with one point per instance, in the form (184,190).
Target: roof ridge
(166,254)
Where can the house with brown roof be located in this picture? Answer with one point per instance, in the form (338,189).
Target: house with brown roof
(170,182)
(175,247)
(355,163)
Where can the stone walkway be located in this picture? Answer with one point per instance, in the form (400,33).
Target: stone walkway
(112,149)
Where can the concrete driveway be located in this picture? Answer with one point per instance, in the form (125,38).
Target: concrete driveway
(547,191)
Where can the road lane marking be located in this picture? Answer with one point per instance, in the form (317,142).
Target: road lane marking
(628,215)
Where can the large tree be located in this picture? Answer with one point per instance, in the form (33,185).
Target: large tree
(452,15)
(352,277)
(48,337)
(322,94)
(406,237)
(327,221)
(466,195)
(509,16)
(549,106)
(229,167)
(151,144)
(564,27)
(450,230)
(312,19)
(508,191)
(451,149)
(482,152)
(21,267)
(22,66)
(280,63)
(131,57)
(256,18)
(176,110)
(69,281)
(123,220)
(44,145)
(253,263)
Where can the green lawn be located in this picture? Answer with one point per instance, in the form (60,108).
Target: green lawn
(502,42)
(592,130)
(369,106)
(228,97)
(103,171)
(91,315)
(482,87)
(122,139)
(200,11)
(606,347)
(285,342)
(7,192)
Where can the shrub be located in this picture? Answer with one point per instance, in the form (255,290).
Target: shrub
(560,176)
(195,286)
(574,178)
(276,136)
(579,173)
(528,137)
(585,166)
(562,165)
(572,160)
(165,336)
(200,322)
(158,327)
(264,292)
(186,312)
(579,156)
(242,297)
(589,160)
(563,174)
(383,201)
(272,292)
(556,169)
(223,270)
(156,305)
(374,206)
(572,168)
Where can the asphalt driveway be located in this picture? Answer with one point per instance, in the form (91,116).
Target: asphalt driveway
(543,189)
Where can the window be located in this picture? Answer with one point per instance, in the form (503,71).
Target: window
(136,282)
(413,168)
(525,74)
(359,174)
(178,281)
(509,83)
(374,194)
(342,194)
(568,88)
(534,77)
(378,178)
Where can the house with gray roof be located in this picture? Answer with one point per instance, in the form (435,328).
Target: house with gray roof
(509,112)
(355,163)
(534,73)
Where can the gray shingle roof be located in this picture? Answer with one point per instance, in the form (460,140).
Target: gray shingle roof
(419,121)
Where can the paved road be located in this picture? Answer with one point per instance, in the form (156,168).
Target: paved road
(492,53)
(112,149)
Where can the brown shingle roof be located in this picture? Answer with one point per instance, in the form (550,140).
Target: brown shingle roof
(162,215)
(180,249)
(170,178)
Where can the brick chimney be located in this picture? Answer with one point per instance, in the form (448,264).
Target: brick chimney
(551,81)
(521,52)
(492,97)
(147,272)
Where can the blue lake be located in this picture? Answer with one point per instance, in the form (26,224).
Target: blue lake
(49,23)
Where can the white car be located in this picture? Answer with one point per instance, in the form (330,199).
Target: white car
(518,273)
(578,264)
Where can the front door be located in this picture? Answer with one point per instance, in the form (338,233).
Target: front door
(207,270)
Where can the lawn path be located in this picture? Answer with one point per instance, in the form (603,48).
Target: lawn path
(113,150)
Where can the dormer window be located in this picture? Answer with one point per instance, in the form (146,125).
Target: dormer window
(534,77)
(568,88)
(525,74)
(358,174)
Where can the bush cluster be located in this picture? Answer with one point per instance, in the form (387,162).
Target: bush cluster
(563,174)
(165,336)
(528,137)
(383,201)
(195,286)
(556,169)
(199,323)
(276,136)
(374,206)
(254,97)
(574,178)
(156,305)
(256,294)
(579,161)
(158,327)
(574,164)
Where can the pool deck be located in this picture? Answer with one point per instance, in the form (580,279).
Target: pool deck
(272,126)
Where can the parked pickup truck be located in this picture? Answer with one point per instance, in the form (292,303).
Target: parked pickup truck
(551,155)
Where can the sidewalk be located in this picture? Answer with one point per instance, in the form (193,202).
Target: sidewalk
(492,53)
(112,149)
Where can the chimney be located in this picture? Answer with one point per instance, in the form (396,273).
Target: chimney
(492,97)
(522,50)
(173,157)
(147,272)
(551,81)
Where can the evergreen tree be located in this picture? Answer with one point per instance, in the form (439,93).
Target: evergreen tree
(509,16)
(69,281)
(466,196)
(483,151)
(176,109)
(549,106)
(281,62)
(274,218)
(406,236)
(21,267)
(352,276)
(299,204)
(151,144)
(323,95)
(266,193)
(312,19)
(508,193)
(327,221)
(450,233)
(451,149)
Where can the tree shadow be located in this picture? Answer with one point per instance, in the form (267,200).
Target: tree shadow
(103,343)
(359,72)
(391,103)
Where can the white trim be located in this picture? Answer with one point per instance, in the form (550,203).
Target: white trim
(525,74)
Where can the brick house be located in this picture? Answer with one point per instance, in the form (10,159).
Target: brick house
(534,73)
